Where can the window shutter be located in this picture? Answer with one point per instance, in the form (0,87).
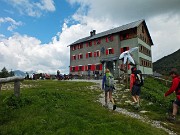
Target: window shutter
(127,36)
(112,50)
(94,54)
(98,41)
(76,68)
(82,68)
(122,50)
(92,67)
(94,42)
(107,51)
(87,44)
(106,39)
(91,54)
(100,67)
(70,69)
(112,38)
(86,55)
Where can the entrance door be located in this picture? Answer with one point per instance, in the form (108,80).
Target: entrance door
(109,65)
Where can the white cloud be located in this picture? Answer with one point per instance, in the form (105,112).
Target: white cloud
(27,53)
(13,24)
(165,33)
(34,9)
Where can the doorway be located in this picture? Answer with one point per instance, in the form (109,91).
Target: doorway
(109,65)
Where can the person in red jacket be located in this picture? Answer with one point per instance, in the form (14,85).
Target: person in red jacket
(175,87)
(135,89)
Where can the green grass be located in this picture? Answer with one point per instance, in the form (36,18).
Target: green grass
(153,101)
(63,108)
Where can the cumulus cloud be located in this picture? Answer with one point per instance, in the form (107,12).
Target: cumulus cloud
(13,24)
(32,8)
(27,53)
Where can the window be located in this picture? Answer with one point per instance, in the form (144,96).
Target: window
(109,38)
(80,56)
(98,41)
(81,68)
(74,47)
(124,49)
(97,53)
(98,66)
(89,54)
(109,51)
(72,68)
(89,67)
(74,57)
(90,43)
(81,46)
(145,63)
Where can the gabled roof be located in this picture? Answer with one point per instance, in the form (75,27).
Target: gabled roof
(112,31)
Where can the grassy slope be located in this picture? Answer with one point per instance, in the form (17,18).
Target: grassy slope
(153,101)
(54,107)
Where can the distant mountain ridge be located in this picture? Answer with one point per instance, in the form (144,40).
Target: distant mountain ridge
(22,73)
(165,64)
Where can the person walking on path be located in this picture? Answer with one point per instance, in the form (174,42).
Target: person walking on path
(135,85)
(175,87)
(108,87)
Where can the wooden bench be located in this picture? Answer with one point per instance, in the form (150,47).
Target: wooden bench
(16,81)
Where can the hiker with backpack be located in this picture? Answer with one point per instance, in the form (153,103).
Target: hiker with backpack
(108,87)
(175,87)
(136,82)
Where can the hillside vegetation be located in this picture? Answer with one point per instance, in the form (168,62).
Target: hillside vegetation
(165,64)
(64,108)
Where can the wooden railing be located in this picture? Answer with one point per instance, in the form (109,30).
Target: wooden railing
(16,81)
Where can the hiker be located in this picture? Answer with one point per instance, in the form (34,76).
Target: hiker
(175,87)
(58,74)
(108,87)
(135,85)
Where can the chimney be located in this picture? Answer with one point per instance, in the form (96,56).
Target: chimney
(94,32)
(91,33)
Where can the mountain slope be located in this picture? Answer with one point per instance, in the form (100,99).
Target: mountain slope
(165,64)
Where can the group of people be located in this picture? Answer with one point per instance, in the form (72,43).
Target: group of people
(136,81)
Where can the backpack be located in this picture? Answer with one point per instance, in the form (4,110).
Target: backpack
(109,80)
(138,78)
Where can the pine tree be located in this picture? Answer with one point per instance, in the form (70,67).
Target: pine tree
(4,73)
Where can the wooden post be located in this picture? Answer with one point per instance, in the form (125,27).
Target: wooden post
(16,81)
(127,74)
(17,88)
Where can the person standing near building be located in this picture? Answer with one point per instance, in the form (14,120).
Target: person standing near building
(58,74)
(175,87)
(135,85)
(108,87)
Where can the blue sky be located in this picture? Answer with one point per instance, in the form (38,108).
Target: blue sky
(43,27)
(34,34)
